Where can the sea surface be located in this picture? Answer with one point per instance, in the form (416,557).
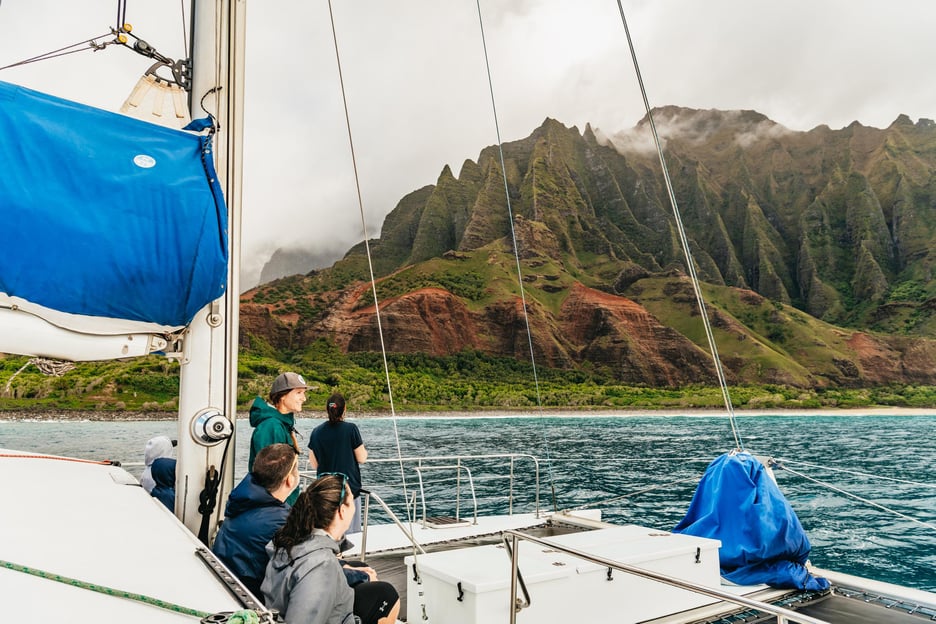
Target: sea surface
(863,485)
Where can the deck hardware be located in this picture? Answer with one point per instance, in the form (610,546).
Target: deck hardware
(461,593)
(610,574)
(211,427)
(698,555)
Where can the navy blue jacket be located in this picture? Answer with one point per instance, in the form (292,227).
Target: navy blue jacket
(251,518)
(163,471)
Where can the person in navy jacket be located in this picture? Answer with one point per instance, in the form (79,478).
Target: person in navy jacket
(255,509)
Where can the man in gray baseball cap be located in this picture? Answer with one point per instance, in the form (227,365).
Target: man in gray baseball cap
(275,421)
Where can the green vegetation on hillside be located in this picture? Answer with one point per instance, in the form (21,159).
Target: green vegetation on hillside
(466,381)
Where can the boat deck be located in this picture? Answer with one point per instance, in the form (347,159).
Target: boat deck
(82,540)
(387,546)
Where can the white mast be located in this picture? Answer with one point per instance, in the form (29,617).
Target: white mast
(208,377)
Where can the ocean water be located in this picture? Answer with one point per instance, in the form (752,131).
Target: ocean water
(864,491)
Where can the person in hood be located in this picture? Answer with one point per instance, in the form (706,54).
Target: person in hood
(157,447)
(274,422)
(255,509)
(163,471)
(304,579)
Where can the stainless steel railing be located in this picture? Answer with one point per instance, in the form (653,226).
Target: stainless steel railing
(459,464)
(512,539)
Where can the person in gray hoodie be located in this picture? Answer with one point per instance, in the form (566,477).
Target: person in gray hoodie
(304,579)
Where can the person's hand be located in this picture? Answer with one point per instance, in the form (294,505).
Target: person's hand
(371,572)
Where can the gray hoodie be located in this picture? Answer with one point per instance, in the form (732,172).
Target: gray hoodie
(309,587)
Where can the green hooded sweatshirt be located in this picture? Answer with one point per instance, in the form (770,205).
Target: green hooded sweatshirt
(271,427)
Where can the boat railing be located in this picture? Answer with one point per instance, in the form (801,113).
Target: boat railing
(512,540)
(367,496)
(461,474)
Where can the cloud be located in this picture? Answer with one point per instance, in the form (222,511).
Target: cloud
(418,94)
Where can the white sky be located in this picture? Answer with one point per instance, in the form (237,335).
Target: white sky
(418,93)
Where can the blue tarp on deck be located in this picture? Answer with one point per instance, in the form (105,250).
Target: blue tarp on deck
(105,215)
(762,540)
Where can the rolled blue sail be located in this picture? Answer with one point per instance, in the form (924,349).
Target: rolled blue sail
(105,215)
(762,540)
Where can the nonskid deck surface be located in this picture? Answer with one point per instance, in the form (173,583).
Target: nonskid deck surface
(94,523)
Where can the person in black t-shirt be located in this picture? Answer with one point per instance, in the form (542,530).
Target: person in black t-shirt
(336,446)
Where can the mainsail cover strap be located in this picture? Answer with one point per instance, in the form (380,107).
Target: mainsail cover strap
(105,215)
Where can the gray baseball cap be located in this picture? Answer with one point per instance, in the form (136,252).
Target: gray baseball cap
(288,381)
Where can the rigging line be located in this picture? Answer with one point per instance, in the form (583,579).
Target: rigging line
(103,589)
(684,241)
(103,462)
(858,473)
(121,15)
(185,42)
(857,498)
(370,265)
(516,250)
(94,47)
(631,494)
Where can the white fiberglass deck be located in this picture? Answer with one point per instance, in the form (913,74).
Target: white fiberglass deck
(94,523)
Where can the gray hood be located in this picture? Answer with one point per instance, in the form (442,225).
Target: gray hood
(308,586)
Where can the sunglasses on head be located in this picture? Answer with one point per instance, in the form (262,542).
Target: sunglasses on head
(344,481)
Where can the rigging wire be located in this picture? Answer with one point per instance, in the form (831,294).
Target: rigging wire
(606,501)
(121,15)
(370,264)
(860,499)
(684,241)
(87,44)
(516,250)
(858,473)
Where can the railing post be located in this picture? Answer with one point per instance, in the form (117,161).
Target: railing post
(514,568)
(458,490)
(364,530)
(510,488)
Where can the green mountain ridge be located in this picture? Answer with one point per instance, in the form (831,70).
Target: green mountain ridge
(829,231)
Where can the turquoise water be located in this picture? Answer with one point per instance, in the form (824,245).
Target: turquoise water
(594,460)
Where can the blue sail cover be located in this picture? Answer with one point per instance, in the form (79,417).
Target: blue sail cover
(762,540)
(105,215)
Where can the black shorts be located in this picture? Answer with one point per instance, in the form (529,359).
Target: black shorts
(374,600)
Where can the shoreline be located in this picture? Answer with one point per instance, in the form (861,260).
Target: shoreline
(141,416)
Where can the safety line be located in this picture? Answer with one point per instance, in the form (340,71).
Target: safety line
(858,498)
(102,589)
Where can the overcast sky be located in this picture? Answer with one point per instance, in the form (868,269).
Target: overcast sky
(418,94)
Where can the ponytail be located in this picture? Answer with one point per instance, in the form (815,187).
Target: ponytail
(335,408)
(314,509)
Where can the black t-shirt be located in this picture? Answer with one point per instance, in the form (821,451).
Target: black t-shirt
(333,445)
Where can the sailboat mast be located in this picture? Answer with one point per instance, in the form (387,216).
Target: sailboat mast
(208,375)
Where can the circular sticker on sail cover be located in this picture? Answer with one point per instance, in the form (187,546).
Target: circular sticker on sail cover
(144,161)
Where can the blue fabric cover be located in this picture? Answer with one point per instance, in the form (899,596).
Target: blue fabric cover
(105,215)
(762,540)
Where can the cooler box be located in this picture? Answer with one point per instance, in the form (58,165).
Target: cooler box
(472,585)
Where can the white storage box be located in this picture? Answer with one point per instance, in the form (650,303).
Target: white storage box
(472,585)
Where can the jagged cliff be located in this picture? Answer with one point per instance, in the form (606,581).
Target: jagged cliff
(794,233)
